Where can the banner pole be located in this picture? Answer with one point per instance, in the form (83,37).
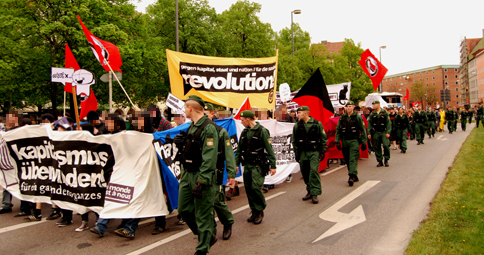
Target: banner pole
(64,104)
(110,92)
(121,85)
(74,95)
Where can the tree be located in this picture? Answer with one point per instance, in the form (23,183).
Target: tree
(245,36)
(417,92)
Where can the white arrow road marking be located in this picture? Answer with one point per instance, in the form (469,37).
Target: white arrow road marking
(343,220)
(441,137)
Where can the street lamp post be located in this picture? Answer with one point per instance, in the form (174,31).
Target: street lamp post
(176,25)
(292,29)
(381,47)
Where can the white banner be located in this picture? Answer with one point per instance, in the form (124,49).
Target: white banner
(175,103)
(117,176)
(281,134)
(338,93)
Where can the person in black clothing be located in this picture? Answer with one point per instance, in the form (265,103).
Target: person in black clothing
(98,125)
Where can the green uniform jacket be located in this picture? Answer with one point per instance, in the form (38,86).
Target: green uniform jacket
(482,110)
(229,153)
(464,115)
(209,139)
(431,113)
(448,114)
(417,114)
(308,125)
(361,126)
(456,115)
(267,143)
(401,119)
(388,123)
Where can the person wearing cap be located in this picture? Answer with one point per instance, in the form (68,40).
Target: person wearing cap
(432,118)
(420,119)
(197,189)
(225,160)
(464,114)
(470,112)
(401,124)
(309,144)
(257,156)
(479,115)
(449,118)
(379,128)
(351,132)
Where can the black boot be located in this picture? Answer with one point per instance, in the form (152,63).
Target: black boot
(236,191)
(315,199)
(259,217)
(227,232)
(350,180)
(252,216)
(213,240)
(422,142)
(355,178)
(307,197)
(418,142)
(386,163)
(379,164)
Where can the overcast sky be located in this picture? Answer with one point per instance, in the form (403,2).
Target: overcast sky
(417,34)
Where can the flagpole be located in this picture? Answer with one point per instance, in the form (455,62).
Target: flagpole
(74,95)
(64,104)
(120,84)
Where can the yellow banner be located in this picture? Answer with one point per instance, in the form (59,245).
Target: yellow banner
(224,81)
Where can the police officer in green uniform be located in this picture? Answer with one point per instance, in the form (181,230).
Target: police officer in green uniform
(197,189)
(225,159)
(456,118)
(309,144)
(401,123)
(379,128)
(256,154)
(449,118)
(351,132)
(420,118)
(431,122)
(464,114)
(471,114)
(479,115)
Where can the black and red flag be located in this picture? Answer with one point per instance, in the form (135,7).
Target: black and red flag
(106,53)
(314,95)
(373,68)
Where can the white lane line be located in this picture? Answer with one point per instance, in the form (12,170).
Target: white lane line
(188,231)
(21,225)
(334,170)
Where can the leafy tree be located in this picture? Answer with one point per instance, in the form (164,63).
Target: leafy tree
(417,92)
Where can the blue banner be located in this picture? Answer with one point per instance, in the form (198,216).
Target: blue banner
(167,150)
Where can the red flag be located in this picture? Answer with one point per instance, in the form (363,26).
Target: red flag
(405,98)
(245,106)
(70,62)
(373,68)
(416,104)
(105,52)
(88,103)
(314,95)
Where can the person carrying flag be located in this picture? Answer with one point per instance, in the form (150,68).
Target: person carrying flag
(379,128)
(309,144)
(256,154)
(351,132)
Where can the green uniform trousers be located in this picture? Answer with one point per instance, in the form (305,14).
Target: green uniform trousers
(479,119)
(470,118)
(463,124)
(309,165)
(450,125)
(351,154)
(431,128)
(402,137)
(420,131)
(455,125)
(197,213)
(253,181)
(221,208)
(412,131)
(378,140)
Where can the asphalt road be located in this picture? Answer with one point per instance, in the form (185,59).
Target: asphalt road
(375,216)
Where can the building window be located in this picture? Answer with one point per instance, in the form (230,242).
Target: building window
(456,76)
(446,83)
(433,71)
(414,75)
(445,70)
(457,96)
(456,89)
(420,73)
(427,79)
(445,76)
(427,85)
(455,69)
(457,83)
(433,83)
(420,79)
(405,82)
(433,78)
(427,72)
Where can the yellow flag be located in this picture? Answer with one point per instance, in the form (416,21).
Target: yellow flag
(224,81)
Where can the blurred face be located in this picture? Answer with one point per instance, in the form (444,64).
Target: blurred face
(419,107)
(139,123)
(400,111)
(376,106)
(245,121)
(224,114)
(210,114)
(179,119)
(263,115)
(12,120)
(293,114)
(110,125)
(302,114)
